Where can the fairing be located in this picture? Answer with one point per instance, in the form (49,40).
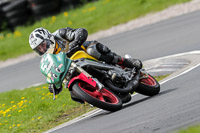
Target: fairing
(81,54)
(55,67)
(82,77)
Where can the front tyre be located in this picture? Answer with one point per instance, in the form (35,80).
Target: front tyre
(148,86)
(105,99)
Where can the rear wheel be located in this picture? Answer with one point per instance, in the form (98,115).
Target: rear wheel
(148,86)
(105,99)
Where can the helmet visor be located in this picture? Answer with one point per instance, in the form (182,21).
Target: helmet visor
(43,47)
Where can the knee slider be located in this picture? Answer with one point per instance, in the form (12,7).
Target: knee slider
(100,52)
(92,50)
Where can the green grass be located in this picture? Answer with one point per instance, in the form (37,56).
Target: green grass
(159,78)
(192,129)
(34,110)
(93,16)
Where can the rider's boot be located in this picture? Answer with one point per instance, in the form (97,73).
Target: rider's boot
(130,63)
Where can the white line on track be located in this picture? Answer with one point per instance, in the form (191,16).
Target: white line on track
(186,71)
(89,114)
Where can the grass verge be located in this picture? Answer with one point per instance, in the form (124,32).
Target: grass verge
(34,110)
(95,16)
(159,78)
(192,129)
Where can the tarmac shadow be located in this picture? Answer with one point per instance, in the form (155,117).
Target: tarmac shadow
(144,98)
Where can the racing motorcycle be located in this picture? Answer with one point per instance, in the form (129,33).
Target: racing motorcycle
(103,85)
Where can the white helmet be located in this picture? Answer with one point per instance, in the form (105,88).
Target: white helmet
(42,41)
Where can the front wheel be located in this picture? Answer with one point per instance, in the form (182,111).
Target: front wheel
(148,86)
(105,99)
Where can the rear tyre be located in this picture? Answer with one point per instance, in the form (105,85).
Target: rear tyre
(148,86)
(105,99)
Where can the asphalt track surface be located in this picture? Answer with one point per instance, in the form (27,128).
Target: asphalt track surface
(176,106)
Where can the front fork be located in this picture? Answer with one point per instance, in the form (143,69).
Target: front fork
(81,70)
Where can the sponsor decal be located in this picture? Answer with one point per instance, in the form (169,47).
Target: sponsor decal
(60,65)
(49,75)
(52,79)
(58,58)
(31,36)
(48,80)
(47,64)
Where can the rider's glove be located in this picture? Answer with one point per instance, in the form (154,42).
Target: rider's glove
(56,90)
(80,36)
(137,64)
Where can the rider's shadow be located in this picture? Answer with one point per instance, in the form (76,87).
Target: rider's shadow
(133,102)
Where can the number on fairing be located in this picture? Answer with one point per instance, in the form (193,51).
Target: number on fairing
(47,63)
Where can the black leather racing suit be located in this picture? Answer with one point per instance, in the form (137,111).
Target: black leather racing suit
(77,38)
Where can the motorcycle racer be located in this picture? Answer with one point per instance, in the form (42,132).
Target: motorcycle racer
(65,39)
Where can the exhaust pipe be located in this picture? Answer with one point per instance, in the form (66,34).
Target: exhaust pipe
(131,86)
